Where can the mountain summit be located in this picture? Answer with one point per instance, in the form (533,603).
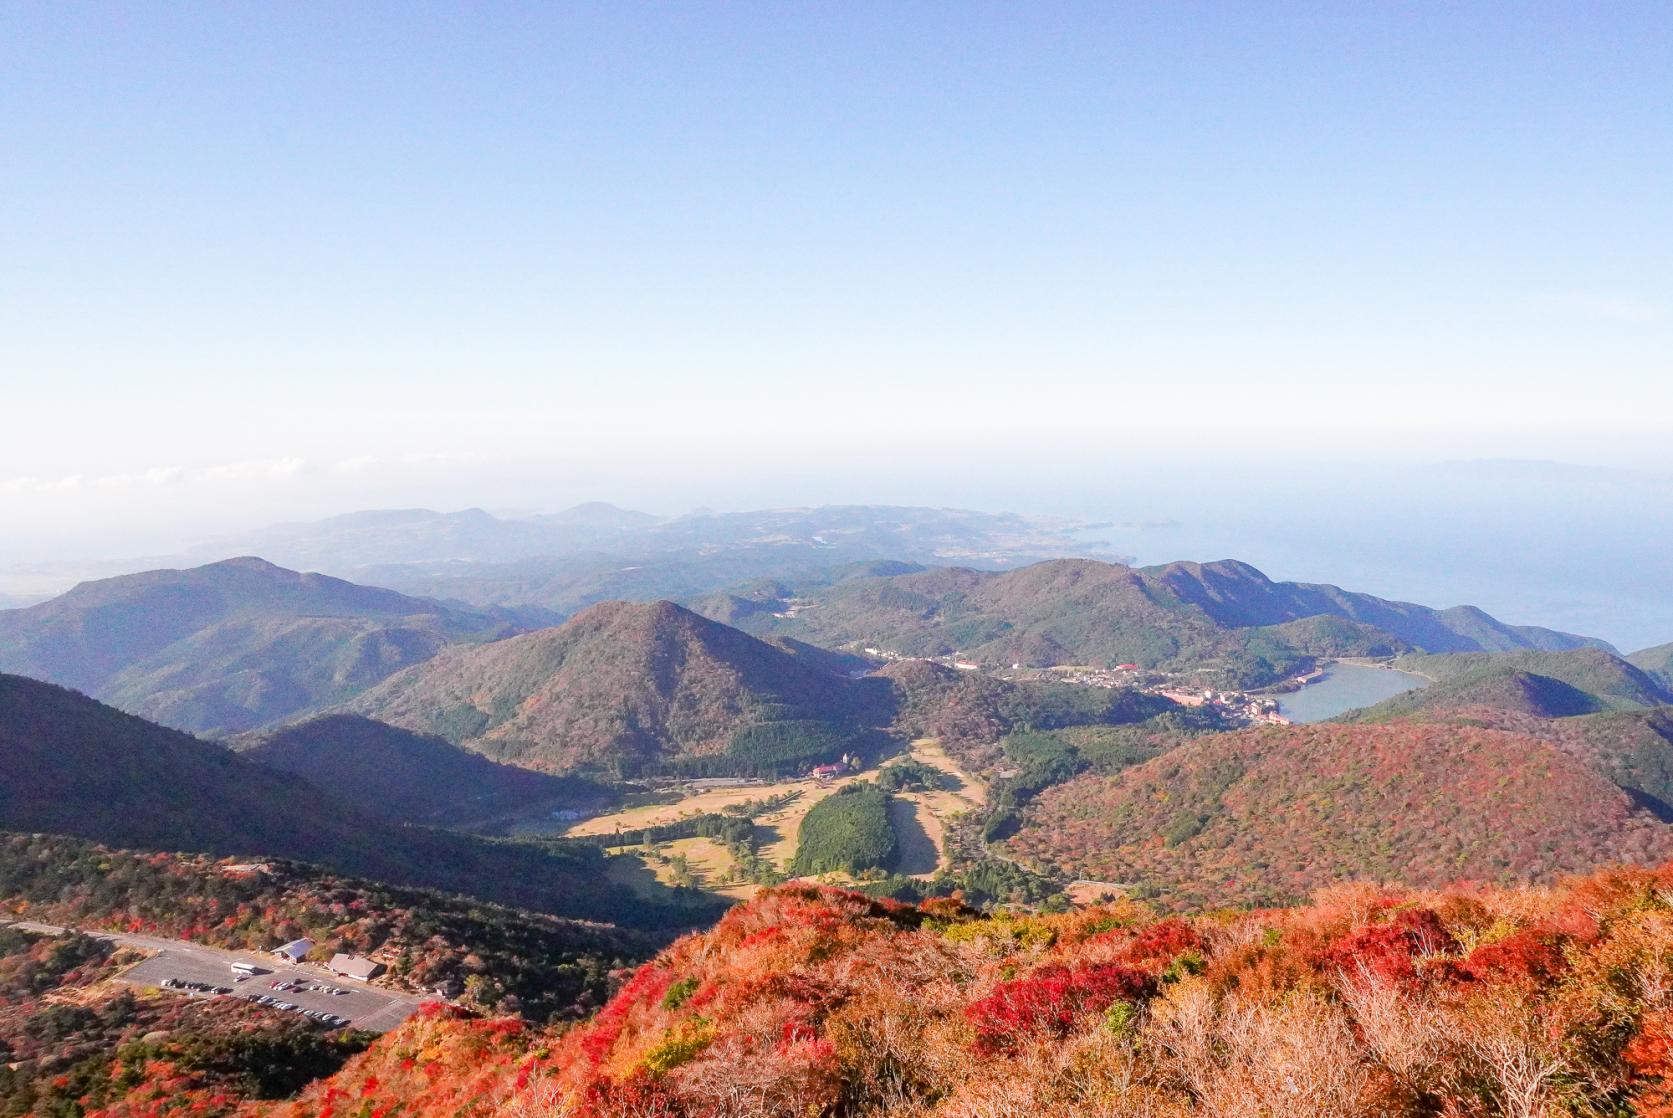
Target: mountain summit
(626,687)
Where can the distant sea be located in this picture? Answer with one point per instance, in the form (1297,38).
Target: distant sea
(1581,550)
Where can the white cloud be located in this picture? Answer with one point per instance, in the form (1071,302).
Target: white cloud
(256,468)
(156,475)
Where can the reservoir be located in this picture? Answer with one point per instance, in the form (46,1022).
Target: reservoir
(1345,687)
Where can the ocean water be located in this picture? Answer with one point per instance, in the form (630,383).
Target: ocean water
(1584,551)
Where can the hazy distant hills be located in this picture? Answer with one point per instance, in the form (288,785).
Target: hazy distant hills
(570,560)
(1227,616)
(1261,815)
(629,687)
(411,778)
(1236,594)
(231,645)
(344,544)
(71,765)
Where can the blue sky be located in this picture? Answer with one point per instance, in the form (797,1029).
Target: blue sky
(300,258)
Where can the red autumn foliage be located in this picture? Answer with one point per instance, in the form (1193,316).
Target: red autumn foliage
(1530,956)
(1649,1060)
(1053,1000)
(1161,943)
(1390,950)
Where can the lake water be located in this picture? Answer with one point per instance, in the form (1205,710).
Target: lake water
(1346,687)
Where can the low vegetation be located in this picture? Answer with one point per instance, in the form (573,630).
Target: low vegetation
(1369,1002)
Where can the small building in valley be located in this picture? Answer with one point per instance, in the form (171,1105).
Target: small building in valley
(354,966)
(294,951)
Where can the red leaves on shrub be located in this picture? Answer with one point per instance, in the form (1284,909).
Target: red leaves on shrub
(1649,1058)
(1389,951)
(1528,956)
(1161,943)
(1052,1000)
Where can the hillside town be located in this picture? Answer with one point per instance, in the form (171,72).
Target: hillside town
(1236,706)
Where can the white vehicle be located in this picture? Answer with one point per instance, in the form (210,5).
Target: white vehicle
(245,969)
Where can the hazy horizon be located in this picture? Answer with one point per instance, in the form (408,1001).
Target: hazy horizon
(1122,263)
(1532,542)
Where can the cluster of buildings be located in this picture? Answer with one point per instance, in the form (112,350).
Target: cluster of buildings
(342,965)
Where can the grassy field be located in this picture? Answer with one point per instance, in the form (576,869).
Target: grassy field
(920,821)
(921,817)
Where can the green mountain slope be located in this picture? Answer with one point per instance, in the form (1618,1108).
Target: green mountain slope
(1225,618)
(71,765)
(1540,684)
(408,777)
(629,688)
(1657,661)
(233,645)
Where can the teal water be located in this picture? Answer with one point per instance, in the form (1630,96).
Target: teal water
(1346,687)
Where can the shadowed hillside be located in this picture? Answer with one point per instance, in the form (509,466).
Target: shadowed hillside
(407,777)
(73,766)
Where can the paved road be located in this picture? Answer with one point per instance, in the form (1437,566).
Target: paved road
(367,1007)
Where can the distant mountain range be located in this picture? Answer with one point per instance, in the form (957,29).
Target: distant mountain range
(1226,616)
(236,644)
(347,543)
(71,765)
(405,537)
(596,552)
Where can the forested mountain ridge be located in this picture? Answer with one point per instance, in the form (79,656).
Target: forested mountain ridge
(73,766)
(411,778)
(1541,684)
(233,645)
(1238,595)
(629,687)
(1225,617)
(1267,815)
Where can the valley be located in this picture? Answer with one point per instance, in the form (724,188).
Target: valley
(920,817)
(513,819)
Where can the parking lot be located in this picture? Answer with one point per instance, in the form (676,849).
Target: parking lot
(365,1007)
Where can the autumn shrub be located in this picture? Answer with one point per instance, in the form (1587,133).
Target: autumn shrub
(1052,1000)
